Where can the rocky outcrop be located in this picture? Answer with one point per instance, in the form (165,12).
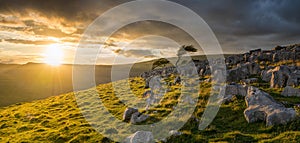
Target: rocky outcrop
(243,71)
(280,76)
(278,54)
(140,137)
(283,53)
(285,76)
(291,91)
(134,116)
(262,107)
(233,60)
(158,72)
(128,113)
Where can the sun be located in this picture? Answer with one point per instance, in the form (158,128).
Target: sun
(53,55)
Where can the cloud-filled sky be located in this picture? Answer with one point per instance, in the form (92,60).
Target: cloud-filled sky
(29,27)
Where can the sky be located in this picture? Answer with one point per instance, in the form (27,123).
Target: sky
(50,31)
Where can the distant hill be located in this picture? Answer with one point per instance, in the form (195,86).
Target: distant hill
(22,83)
(32,81)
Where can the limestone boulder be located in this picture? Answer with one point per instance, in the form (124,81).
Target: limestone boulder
(280,76)
(262,107)
(233,90)
(140,137)
(128,113)
(236,89)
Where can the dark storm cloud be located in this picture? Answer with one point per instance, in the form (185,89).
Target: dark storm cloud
(236,16)
(241,24)
(249,16)
(74,10)
(144,28)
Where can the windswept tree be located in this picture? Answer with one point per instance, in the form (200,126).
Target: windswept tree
(183,50)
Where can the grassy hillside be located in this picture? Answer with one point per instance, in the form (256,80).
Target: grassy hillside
(58,119)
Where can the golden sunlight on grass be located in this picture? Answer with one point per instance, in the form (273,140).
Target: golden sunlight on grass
(53,55)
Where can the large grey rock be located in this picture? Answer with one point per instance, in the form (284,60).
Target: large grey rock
(138,117)
(291,91)
(234,89)
(140,137)
(262,107)
(128,112)
(280,76)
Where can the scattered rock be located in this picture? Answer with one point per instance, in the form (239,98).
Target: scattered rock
(175,133)
(247,63)
(262,107)
(250,80)
(290,91)
(243,71)
(236,89)
(140,137)
(128,112)
(138,117)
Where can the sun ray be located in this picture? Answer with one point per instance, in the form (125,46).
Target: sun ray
(54,55)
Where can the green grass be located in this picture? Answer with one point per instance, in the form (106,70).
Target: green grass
(58,119)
